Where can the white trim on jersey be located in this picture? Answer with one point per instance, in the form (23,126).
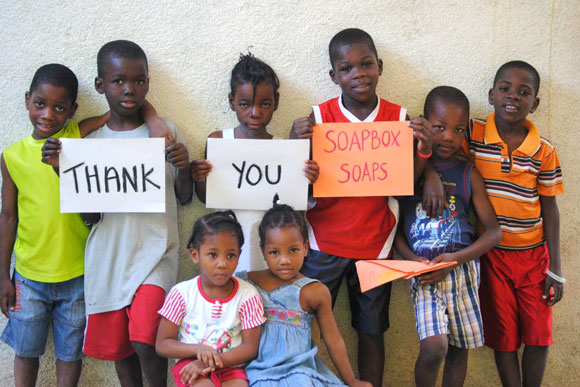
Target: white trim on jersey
(352,118)
(317,114)
(394,207)
(403,114)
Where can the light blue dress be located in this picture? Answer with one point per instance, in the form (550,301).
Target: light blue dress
(287,355)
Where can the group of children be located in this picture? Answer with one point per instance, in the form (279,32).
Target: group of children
(254,327)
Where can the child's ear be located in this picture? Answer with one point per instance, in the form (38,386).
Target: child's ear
(194,255)
(27,99)
(490,96)
(99,85)
(231,100)
(276,100)
(73,110)
(535,105)
(380,62)
(332,74)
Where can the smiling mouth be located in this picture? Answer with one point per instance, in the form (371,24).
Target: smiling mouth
(44,126)
(511,108)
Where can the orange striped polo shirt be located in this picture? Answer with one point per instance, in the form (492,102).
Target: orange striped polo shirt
(514,185)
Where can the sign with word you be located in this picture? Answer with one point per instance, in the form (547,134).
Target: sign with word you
(112,175)
(247,174)
(363,159)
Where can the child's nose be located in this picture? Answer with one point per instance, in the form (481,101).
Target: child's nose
(48,113)
(129,88)
(255,111)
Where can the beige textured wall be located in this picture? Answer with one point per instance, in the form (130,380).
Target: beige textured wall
(193,45)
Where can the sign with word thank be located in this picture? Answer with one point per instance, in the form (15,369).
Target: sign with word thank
(112,175)
(247,174)
(363,159)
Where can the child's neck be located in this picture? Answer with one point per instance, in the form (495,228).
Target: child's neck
(268,281)
(512,134)
(120,123)
(440,160)
(217,292)
(243,132)
(360,110)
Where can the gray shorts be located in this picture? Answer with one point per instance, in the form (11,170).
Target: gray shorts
(369,310)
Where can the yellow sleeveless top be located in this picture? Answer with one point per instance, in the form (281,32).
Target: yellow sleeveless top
(50,246)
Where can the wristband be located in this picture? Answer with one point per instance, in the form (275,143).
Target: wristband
(423,156)
(556,277)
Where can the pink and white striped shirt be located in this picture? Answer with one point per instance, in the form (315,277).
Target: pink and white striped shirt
(215,322)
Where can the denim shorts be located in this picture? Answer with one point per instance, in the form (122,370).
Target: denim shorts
(37,305)
(369,310)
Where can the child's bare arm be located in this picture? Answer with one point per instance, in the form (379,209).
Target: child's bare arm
(422,133)
(404,250)
(167,345)
(178,156)
(8,225)
(551,217)
(201,168)
(245,351)
(486,241)
(89,125)
(315,298)
(155,125)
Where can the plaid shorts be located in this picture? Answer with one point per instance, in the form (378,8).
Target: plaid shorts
(451,307)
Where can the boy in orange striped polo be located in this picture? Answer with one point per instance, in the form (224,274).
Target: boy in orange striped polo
(521,277)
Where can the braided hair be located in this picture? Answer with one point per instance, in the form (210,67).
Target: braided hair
(250,69)
(215,223)
(282,215)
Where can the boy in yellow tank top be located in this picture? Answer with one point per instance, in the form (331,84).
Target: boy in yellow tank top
(47,285)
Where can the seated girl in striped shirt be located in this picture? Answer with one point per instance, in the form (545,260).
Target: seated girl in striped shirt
(213,321)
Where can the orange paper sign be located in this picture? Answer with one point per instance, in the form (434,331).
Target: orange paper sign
(363,159)
(373,273)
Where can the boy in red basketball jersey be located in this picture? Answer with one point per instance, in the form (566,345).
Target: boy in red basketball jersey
(343,230)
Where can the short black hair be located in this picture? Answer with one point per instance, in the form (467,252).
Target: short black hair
(282,215)
(250,69)
(347,37)
(519,64)
(56,75)
(445,94)
(119,49)
(215,223)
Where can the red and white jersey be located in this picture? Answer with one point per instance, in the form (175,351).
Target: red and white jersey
(354,227)
(217,323)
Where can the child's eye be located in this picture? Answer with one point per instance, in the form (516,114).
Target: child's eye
(438,128)
(231,256)
(118,81)
(266,104)
(345,69)
(59,108)
(525,93)
(272,252)
(38,103)
(459,130)
(140,82)
(504,89)
(294,250)
(212,255)
(243,105)
(367,64)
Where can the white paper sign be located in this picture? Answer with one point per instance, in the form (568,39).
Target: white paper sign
(112,175)
(248,173)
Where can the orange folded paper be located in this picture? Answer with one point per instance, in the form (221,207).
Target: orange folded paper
(373,273)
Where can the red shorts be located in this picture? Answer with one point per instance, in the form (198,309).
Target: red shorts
(512,307)
(217,377)
(108,335)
